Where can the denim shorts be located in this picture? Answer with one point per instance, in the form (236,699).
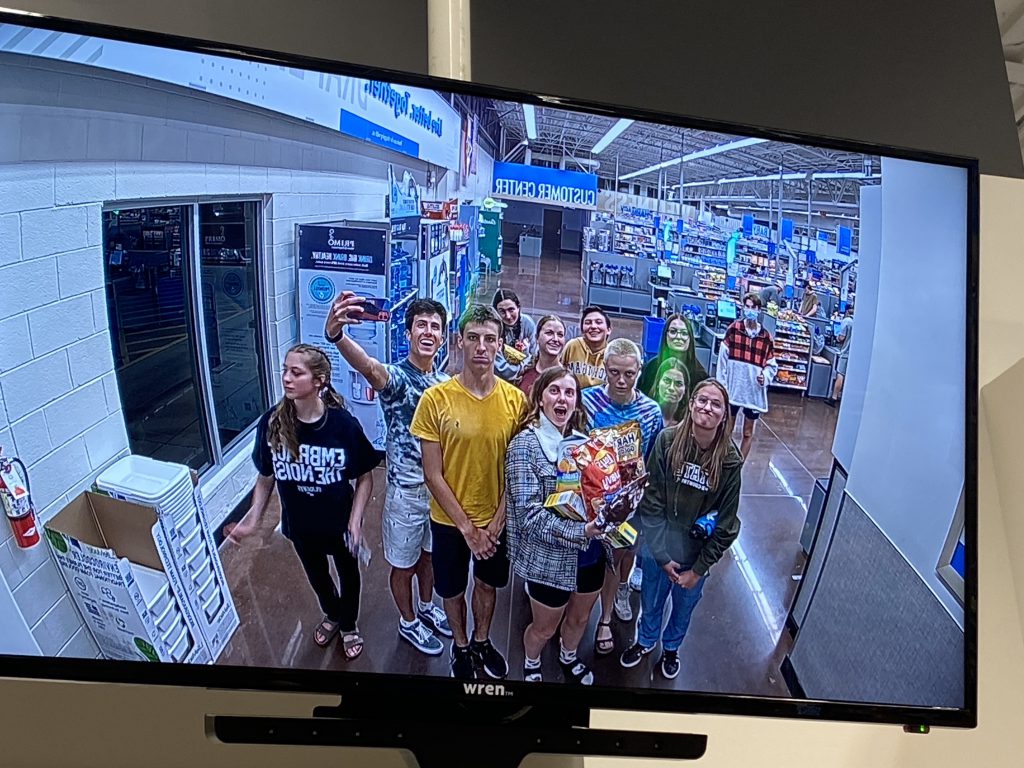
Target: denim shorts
(405,525)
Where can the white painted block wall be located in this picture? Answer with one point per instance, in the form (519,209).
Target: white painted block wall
(61,159)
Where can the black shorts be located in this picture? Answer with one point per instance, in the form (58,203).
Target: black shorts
(751,414)
(452,556)
(589,579)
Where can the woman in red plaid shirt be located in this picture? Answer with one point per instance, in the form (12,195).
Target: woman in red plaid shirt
(747,365)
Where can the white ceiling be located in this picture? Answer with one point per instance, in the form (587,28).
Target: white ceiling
(1011,29)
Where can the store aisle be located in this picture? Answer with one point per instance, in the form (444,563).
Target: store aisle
(734,641)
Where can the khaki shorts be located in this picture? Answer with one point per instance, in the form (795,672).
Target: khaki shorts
(405,525)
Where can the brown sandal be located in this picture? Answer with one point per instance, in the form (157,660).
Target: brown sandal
(352,644)
(326,632)
(607,645)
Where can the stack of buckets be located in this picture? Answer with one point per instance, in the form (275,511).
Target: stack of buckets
(195,571)
(166,611)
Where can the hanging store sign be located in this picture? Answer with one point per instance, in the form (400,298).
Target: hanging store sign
(414,121)
(571,189)
(844,240)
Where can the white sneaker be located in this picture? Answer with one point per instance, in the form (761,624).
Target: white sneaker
(622,607)
(421,638)
(636,579)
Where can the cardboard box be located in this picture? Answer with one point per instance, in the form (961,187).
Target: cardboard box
(568,504)
(94,540)
(204,592)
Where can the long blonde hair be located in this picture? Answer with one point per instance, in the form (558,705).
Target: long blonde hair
(684,446)
(284,421)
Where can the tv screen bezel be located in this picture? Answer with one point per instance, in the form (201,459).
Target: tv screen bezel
(390,687)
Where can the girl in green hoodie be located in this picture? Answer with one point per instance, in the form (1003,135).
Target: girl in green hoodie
(694,471)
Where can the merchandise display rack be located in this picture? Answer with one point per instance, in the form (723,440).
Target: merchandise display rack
(633,239)
(793,353)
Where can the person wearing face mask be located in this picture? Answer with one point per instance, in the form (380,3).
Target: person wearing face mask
(747,365)
(518,331)
(695,472)
(584,355)
(550,343)
(677,343)
(405,521)
(562,561)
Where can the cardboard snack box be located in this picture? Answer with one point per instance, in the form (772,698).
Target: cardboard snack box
(622,536)
(95,540)
(568,504)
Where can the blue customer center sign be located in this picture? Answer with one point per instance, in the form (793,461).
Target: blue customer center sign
(545,185)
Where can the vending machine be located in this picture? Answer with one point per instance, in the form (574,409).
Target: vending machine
(377,263)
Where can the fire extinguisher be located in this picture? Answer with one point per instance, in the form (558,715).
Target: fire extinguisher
(14,491)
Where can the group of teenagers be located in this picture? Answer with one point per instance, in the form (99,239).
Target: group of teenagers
(471,459)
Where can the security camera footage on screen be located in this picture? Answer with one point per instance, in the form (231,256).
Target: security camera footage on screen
(315,372)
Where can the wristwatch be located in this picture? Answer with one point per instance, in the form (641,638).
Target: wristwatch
(335,339)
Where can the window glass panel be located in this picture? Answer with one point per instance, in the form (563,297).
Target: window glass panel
(151,324)
(227,232)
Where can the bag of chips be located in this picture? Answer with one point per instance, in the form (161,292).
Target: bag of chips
(628,442)
(599,474)
(513,355)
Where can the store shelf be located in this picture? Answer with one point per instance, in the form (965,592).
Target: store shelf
(405,300)
(782,385)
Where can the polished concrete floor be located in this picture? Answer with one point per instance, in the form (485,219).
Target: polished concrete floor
(736,639)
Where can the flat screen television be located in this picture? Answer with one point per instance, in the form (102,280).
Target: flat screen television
(176,214)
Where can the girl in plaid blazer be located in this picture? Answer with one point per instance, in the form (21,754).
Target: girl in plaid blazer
(562,561)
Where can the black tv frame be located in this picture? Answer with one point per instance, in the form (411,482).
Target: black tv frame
(385,689)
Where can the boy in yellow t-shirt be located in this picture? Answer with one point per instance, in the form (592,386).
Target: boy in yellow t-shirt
(584,355)
(464,426)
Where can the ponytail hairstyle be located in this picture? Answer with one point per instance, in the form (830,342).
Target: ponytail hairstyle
(684,446)
(284,421)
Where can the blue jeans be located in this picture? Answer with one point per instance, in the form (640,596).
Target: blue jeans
(655,591)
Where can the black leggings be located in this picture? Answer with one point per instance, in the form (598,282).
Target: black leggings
(344,607)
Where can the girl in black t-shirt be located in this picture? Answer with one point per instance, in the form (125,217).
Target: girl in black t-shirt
(312,449)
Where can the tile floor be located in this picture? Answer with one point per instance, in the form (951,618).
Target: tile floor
(736,639)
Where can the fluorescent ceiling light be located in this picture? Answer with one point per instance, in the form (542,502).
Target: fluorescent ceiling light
(796,176)
(530,114)
(613,133)
(716,150)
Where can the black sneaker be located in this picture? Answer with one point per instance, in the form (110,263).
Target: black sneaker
(577,672)
(532,674)
(463,663)
(634,655)
(492,662)
(670,664)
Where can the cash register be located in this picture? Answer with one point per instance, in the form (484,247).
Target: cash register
(721,314)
